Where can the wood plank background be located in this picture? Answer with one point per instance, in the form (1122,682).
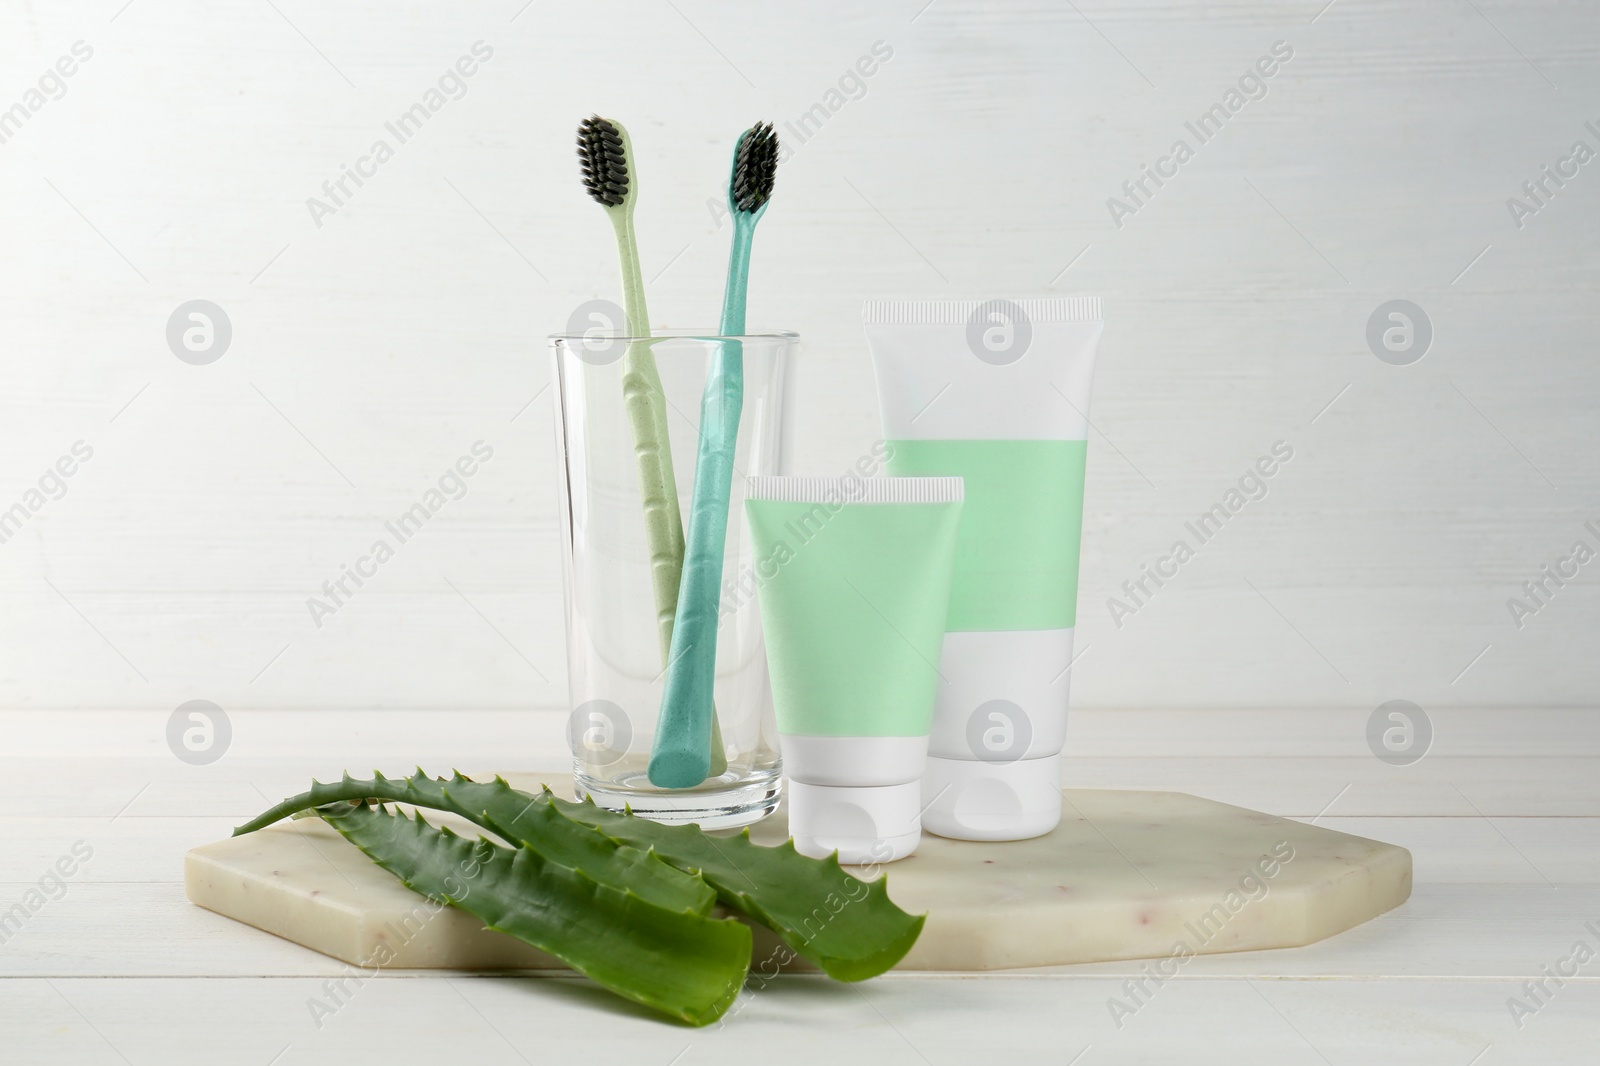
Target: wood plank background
(371,350)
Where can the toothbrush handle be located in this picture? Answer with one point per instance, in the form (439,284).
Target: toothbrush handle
(683,731)
(644,400)
(681,757)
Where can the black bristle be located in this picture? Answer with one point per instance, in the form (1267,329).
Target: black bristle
(605,165)
(755,166)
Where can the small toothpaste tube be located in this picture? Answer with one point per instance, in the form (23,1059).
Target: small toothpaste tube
(853,577)
(996,392)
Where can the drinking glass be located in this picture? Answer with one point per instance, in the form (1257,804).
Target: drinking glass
(615,665)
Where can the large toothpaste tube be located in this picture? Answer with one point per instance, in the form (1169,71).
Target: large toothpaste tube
(996,392)
(854,580)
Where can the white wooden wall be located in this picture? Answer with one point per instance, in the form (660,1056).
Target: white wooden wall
(371,351)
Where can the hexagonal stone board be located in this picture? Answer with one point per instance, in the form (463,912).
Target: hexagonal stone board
(1125,875)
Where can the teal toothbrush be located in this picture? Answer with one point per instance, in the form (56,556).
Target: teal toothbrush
(681,757)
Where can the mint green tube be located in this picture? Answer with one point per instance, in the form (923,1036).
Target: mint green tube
(853,577)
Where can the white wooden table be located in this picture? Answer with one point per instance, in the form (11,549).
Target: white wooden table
(1502,816)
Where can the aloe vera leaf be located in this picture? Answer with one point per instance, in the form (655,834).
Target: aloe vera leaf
(545,829)
(542,827)
(687,965)
(850,928)
(847,927)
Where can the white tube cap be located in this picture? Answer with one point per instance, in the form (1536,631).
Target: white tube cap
(863,824)
(970,799)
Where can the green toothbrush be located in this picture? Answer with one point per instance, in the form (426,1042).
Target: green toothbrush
(606,155)
(688,718)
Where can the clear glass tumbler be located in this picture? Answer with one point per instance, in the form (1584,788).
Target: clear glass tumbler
(615,659)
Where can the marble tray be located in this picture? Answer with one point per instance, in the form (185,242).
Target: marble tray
(1125,875)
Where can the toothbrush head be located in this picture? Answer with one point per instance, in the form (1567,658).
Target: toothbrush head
(755,165)
(603,154)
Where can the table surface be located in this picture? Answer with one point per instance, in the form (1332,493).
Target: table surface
(113,964)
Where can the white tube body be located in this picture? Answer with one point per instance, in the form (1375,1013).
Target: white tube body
(855,581)
(996,392)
